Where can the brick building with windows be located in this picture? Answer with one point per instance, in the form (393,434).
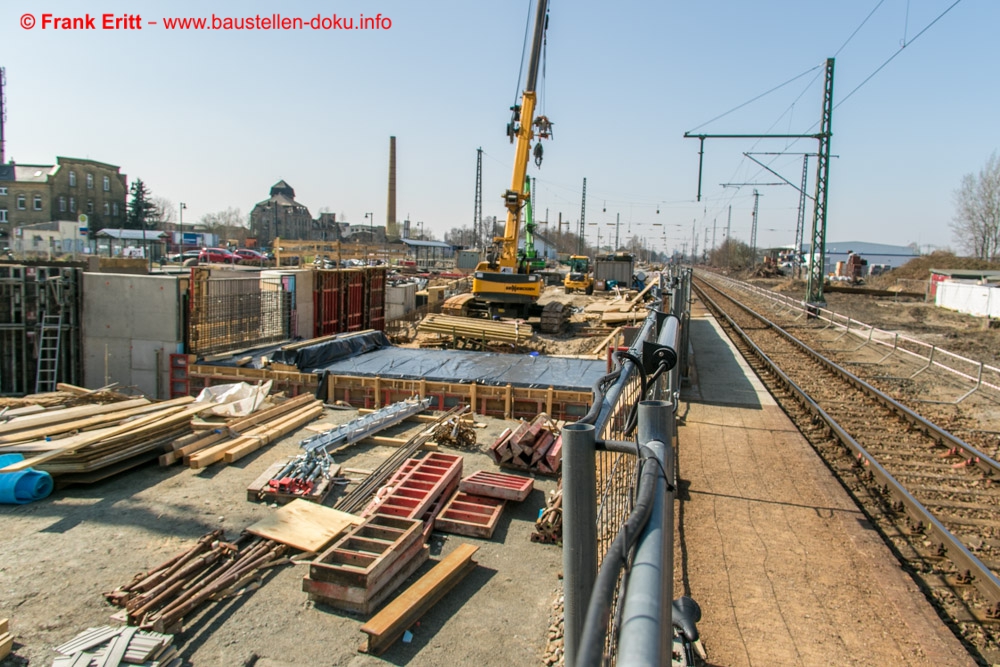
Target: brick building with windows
(280,216)
(34,193)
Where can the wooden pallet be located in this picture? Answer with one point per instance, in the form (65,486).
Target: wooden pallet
(260,491)
(497,485)
(366,564)
(466,514)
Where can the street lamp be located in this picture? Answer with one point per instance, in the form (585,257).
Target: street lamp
(180,213)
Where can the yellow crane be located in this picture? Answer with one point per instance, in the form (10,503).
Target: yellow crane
(502,286)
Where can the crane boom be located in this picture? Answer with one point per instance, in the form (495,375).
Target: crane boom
(499,279)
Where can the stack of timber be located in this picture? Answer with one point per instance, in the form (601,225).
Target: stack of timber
(548,527)
(213,569)
(243,435)
(534,446)
(65,396)
(110,646)
(627,310)
(483,330)
(363,568)
(91,442)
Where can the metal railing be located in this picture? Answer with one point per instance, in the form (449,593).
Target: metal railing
(618,490)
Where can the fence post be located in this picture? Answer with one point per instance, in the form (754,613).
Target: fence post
(645,637)
(579,531)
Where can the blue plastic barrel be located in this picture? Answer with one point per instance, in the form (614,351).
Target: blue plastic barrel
(24,486)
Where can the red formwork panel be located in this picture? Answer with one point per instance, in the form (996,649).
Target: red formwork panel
(355,302)
(328,303)
(375,298)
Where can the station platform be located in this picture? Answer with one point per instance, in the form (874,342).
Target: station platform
(785,567)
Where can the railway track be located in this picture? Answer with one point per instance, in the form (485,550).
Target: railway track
(934,497)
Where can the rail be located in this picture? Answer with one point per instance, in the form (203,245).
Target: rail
(618,492)
(926,355)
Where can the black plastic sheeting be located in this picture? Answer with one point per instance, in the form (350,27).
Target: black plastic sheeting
(315,358)
(310,359)
(519,370)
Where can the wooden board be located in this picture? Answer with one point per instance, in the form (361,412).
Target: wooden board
(388,625)
(304,525)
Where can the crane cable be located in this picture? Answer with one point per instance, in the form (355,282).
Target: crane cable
(524,47)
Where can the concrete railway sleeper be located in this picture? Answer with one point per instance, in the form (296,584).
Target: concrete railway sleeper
(928,520)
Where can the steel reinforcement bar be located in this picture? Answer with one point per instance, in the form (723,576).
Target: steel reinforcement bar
(983,578)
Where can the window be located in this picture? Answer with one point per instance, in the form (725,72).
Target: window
(90,181)
(90,206)
(72,179)
(107,208)
(114,209)
(62,204)
(3,215)
(3,192)
(72,204)
(20,202)
(38,202)
(107,184)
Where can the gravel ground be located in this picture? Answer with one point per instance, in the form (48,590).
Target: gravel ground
(62,553)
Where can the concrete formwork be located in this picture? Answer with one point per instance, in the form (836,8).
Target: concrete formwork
(131,324)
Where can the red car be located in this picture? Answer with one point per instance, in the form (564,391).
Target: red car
(251,257)
(217,256)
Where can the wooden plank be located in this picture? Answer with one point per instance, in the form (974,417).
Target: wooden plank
(304,525)
(388,625)
(117,648)
(50,417)
(6,644)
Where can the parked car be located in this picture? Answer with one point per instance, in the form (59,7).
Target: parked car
(253,257)
(217,256)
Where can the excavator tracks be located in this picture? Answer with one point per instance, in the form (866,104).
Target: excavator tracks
(934,498)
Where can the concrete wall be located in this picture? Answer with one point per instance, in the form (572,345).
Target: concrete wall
(131,326)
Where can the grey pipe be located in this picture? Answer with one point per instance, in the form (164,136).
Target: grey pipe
(644,638)
(579,531)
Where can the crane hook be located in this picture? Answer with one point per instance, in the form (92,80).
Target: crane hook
(538,155)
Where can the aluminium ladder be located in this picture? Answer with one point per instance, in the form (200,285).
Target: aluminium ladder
(48,353)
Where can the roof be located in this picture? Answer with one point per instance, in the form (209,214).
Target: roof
(27,173)
(426,244)
(132,234)
(967,273)
(866,248)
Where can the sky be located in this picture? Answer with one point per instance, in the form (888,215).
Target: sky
(214,118)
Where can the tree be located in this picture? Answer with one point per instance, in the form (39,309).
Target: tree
(162,212)
(140,213)
(976,224)
(227,224)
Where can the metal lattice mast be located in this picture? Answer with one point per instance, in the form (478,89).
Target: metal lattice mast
(801,220)
(477,216)
(3,113)
(583,217)
(814,287)
(753,229)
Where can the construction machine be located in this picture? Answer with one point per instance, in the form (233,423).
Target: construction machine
(503,284)
(579,276)
(529,255)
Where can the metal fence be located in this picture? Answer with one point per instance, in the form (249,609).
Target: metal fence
(229,314)
(618,493)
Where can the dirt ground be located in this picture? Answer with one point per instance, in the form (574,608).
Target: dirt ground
(62,553)
(962,334)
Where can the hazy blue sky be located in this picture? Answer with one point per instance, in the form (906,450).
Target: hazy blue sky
(214,118)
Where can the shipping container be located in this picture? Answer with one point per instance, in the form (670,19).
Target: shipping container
(618,268)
